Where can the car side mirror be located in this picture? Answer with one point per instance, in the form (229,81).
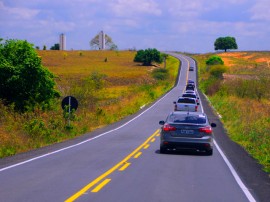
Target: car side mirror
(162,123)
(213,125)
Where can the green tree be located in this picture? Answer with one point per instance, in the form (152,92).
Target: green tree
(148,56)
(23,79)
(225,43)
(55,47)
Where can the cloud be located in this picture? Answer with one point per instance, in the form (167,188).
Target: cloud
(261,10)
(17,12)
(135,7)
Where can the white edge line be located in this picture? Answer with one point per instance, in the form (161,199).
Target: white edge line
(88,140)
(235,175)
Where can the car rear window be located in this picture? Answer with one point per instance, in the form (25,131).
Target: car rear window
(189,95)
(187,118)
(186,100)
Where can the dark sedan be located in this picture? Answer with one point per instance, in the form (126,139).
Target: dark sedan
(186,131)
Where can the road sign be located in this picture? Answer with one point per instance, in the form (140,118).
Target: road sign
(71,102)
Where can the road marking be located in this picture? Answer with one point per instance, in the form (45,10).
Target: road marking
(146,146)
(235,175)
(137,155)
(111,170)
(124,167)
(153,140)
(88,140)
(101,185)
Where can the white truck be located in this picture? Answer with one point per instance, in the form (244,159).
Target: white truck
(186,104)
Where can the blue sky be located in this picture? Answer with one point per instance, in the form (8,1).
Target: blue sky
(171,25)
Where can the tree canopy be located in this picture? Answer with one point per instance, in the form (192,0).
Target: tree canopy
(55,47)
(225,43)
(148,56)
(23,79)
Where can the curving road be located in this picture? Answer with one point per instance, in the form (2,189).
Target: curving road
(122,163)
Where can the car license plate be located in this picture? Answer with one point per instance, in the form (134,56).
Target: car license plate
(188,132)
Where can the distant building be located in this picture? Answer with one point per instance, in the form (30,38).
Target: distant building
(101,40)
(62,42)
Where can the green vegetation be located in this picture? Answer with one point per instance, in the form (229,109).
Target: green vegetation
(148,56)
(214,60)
(242,100)
(103,89)
(225,43)
(24,82)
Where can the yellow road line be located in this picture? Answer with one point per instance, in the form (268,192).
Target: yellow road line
(124,166)
(153,140)
(137,155)
(101,177)
(146,146)
(101,185)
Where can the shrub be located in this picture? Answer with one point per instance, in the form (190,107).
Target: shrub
(214,60)
(217,70)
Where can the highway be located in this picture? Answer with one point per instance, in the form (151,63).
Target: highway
(122,163)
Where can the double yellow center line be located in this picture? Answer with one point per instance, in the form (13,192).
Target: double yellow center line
(122,165)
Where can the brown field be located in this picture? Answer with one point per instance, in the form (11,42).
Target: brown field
(246,59)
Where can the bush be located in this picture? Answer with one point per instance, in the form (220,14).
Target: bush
(214,60)
(217,70)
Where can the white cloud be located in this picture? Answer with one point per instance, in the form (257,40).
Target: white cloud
(135,7)
(17,12)
(261,10)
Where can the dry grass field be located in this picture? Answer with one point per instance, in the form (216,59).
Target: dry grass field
(108,85)
(243,99)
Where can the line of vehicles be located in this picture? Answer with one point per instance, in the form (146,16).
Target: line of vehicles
(186,128)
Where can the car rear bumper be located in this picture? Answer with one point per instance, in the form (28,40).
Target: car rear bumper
(205,143)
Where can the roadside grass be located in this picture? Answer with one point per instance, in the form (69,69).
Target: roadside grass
(243,103)
(108,85)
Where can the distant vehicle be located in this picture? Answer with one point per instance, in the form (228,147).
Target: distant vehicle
(186,131)
(191,68)
(192,95)
(191,92)
(190,81)
(186,104)
(190,87)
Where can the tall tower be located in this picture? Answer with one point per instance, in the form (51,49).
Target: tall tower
(62,42)
(101,40)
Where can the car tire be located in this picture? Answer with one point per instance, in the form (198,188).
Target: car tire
(209,152)
(162,150)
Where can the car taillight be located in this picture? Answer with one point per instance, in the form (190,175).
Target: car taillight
(196,108)
(168,127)
(206,129)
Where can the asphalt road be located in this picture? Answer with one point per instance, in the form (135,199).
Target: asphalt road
(122,163)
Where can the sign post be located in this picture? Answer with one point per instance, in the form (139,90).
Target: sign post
(72,103)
